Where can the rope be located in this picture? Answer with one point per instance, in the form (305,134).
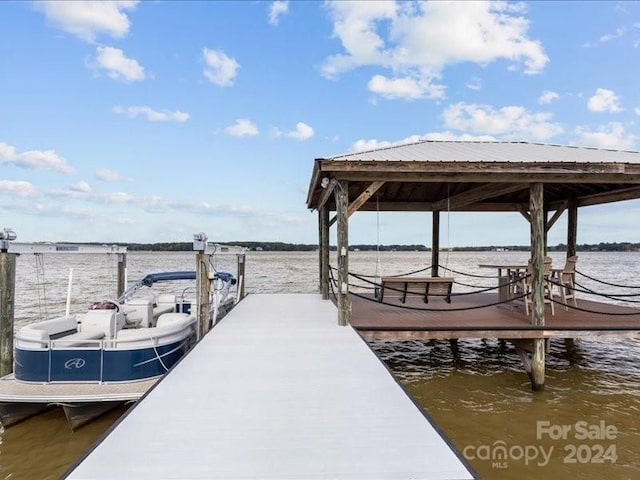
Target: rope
(586,310)
(397,275)
(606,283)
(583,289)
(468,274)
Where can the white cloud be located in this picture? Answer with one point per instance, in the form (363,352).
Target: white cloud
(34,159)
(106,175)
(17,187)
(637,111)
(301,132)
(242,128)
(373,144)
(87,19)
(611,135)
(417,40)
(607,37)
(405,88)
(604,101)
(117,65)
(220,69)
(510,121)
(152,115)
(277,9)
(81,186)
(547,97)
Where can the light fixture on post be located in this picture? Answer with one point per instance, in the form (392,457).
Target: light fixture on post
(325,182)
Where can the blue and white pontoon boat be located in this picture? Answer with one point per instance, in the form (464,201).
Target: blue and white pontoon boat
(113,353)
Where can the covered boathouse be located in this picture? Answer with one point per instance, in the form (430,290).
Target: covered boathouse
(539,181)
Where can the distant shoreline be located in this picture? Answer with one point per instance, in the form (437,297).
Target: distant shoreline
(301,247)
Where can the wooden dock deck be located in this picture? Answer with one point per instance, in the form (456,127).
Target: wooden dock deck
(276,390)
(463,319)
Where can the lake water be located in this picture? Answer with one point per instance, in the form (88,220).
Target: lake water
(482,400)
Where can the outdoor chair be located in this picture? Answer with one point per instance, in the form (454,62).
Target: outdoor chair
(565,282)
(526,280)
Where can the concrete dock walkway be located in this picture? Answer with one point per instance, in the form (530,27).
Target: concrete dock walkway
(277,390)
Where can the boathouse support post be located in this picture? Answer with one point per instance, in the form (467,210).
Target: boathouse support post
(324,252)
(7,305)
(122,267)
(536,211)
(572,227)
(435,243)
(342,288)
(241,276)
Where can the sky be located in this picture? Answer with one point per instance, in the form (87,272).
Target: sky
(125,121)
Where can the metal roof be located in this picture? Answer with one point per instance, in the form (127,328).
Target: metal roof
(400,174)
(466,151)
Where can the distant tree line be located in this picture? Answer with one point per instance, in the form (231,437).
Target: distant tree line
(302,247)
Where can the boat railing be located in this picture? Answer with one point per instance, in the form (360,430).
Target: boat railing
(96,360)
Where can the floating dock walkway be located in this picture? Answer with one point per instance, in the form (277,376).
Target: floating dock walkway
(276,390)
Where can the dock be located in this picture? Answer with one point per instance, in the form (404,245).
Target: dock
(276,390)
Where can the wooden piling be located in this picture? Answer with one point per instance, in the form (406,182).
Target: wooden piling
(7,305)
(241,276)
(324,252)
(122,266)
(536,212)
(572,227)
(342,288)
(435,243)
(203,287)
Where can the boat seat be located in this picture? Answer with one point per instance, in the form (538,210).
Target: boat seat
(79,339)
(53,326)
(162,309)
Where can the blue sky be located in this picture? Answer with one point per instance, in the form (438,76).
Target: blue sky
(147,122)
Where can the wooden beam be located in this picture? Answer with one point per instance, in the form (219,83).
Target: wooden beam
(524,212)
(326,194)
(475,195)
(630,193)
(551,170)
(386,206)
(554,218)
(435,243)
(572,228)
(324,252)
(342,207)
(363,197)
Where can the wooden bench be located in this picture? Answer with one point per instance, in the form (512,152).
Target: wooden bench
(422,286)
